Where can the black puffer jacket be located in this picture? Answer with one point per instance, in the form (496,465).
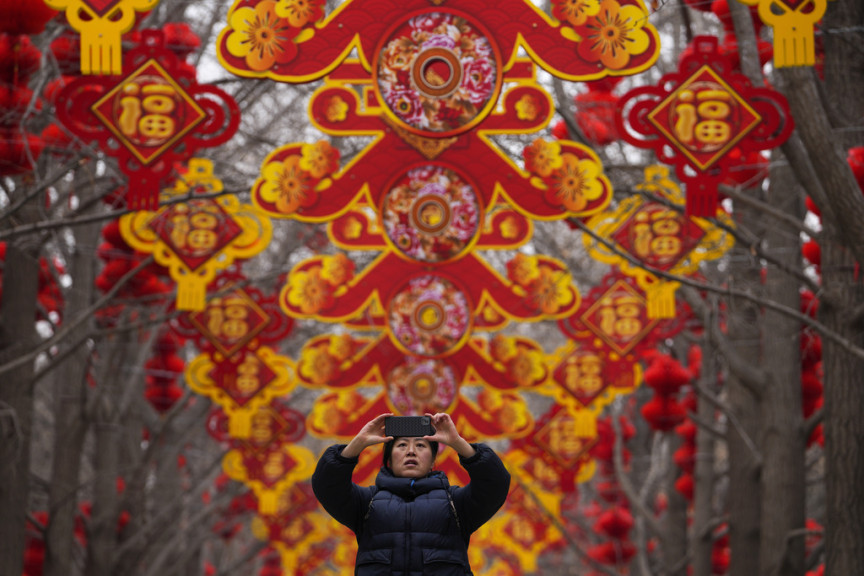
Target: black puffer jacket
(411,529)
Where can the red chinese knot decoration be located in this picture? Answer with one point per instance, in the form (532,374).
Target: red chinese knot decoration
(692,119)
(156,111)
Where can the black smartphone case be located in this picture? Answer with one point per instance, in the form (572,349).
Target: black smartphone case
(408,426)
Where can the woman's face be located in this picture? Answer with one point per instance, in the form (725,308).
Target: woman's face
(411,457)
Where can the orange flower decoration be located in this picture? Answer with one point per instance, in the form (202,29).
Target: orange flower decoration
(542,157)
(317,365)
(309,292)
(550,291)
(287,185)
(575,183)
(575,12)
(319,159)
(261,37)
(522,269)
(614,34)
(300,12)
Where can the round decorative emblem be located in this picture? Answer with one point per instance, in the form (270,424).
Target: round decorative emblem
(429,316)
(431,214)
(419,386)
(438,73)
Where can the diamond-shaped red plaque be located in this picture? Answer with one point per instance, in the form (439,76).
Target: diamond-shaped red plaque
(559,437)
(244,380)
(101,7)
(195,230)
(148,112)
(658,236)
(619,317)
(230,322)
(704,118)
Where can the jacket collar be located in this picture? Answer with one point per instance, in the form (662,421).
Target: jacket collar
(410,487)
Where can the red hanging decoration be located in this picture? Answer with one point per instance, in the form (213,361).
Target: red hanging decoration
(24,16)
(692,119)
(152,117)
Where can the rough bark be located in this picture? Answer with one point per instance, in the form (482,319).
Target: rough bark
(744,466)
(703,498)
(843,392)
(783,488)
(70,396)
(674,540)
(17,314)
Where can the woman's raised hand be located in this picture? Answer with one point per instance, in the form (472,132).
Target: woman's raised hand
(446,433)
(372,433)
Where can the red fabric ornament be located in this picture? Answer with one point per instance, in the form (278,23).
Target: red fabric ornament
(813,253)
(663,413)
(746,170)
(687,430)
(729,48)
(162,398)
(811,350)
(701,5)
(855,158)
(809,303)
(595,116)
(615,523)
(666,375)
(67,51)
(180,39)
(719,560)
(56,139)
(24,16)
(18,151)
(612,552)
(685,457)
(811,385)
(19,58)
(684,485)
(720,8)
(559,130)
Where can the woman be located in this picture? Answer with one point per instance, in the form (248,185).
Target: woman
(412,522)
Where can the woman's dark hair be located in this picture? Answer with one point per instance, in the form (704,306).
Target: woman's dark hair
(388,449)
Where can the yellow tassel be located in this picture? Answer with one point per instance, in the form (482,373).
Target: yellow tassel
(661,299)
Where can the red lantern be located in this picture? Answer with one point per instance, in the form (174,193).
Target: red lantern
(180,39)
(595,116)
(560,131)
(615,523)
(67,52)
(19,58)
(613,552)
(684,485)
(24,16)
(663,413)
(719,560)
(685,457)
(18,151)
(855,159)
(747,170)
(666,375)
(813,253)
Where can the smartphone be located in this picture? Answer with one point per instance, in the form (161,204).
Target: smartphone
(408,426)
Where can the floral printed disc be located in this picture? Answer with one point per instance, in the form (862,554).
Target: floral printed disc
(419,386)
(438,73)
(429,316)
(431,214)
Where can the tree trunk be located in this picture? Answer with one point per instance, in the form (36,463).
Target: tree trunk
(70,396)
(783,442)
(17,313)
(744,466)
(674,539)
(703,497)
(843,425)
